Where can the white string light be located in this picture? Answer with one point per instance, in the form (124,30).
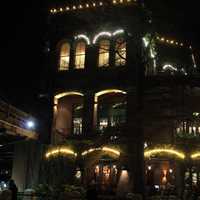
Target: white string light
(168,66)
(120,31)
(82,36)
(108,34)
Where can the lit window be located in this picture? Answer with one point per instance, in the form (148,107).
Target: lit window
(77,119)
(104,48)
(120,52)
(80,55)
(64,57)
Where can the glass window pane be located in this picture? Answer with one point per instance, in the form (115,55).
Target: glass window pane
(104,49)
(80,55)
(120,52)
(64,57)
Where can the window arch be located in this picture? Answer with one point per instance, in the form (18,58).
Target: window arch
(104,53)
(64,57)
(80,55)
(120,52)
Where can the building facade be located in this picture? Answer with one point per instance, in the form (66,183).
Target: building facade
(125,111)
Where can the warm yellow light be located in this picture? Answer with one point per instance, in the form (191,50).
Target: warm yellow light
(60,151)
(58,96)
(106,149)
(148,153)
(111,150)
(90,151)
(195,156)
(108,91)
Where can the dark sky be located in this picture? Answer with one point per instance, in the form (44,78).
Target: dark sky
(22,42)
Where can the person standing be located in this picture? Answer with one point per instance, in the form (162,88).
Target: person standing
(13,188)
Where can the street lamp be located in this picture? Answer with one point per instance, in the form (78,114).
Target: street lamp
(30,124)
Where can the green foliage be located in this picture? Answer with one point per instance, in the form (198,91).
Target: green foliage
(61,192)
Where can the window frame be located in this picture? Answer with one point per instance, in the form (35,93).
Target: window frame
(118,60)
(60,46)
(80,65)
(107,51)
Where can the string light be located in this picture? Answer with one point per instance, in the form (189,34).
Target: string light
(195,156)
(60,151)
(106,149)
(87,5)
(149,153)
(169,67)
(171,42)
(100,35)
(120,31)
(83,37)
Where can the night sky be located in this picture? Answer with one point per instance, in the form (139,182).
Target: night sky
(23,37)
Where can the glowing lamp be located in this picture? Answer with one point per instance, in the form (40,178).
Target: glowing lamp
(30,124)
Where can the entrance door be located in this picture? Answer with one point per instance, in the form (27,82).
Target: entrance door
(106,177)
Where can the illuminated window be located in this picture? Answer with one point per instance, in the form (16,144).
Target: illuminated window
(77,119)
(120,52)
(64,57)
(104,48)
(80,55)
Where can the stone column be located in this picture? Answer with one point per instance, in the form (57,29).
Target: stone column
(179,177)
(26,164)
(88,114)
(135,144)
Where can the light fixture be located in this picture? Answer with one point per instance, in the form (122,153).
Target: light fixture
(30,124)
(149,153)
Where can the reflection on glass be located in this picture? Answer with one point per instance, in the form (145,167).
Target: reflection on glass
(64,57)
(80,55)
(120,52)
(104,48)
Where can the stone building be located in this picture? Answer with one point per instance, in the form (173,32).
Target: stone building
(125,100)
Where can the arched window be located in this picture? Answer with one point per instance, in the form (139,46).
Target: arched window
(104,49)
(64,57)
(120,52)
(80,55)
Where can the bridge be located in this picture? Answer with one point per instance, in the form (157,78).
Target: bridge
(14,133)
(13,122)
